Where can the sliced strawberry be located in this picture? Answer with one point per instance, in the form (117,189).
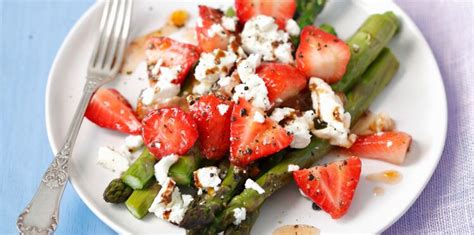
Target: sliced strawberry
(281,10)
(322,55)
(386,146)
(283,81)
(169,131)
(331,187)
(250,139)
(109,109)
(208,17)
(172,53)
(212,115)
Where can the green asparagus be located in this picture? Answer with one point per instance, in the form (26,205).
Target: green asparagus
(372,82)
(365,45)
(245,227)
(182,170)
(117,191)
(141,171)
(204,212)
(307,11)
(328,29)
(141,199)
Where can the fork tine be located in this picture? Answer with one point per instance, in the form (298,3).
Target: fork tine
(123,37)
(117,29)
(106,35)
(103,20)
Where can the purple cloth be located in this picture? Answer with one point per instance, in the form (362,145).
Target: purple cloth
(446,206)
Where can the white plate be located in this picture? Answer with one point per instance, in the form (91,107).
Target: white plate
(415,99)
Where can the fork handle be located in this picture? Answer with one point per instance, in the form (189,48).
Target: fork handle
(41,214)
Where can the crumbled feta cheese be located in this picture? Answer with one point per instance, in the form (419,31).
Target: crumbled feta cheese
(261,35)
(239,214)
(112,160)
(229,23)
(216,29)
(250,184)
(164,87)
(329,109)
(298,126)
(157,67)
(224,81)
(292,27)
(258,117)
(211,67)
(389,144)
(169,204)
(207,177)
(163,166)
(281,113)
(133,142)
(293,167)
(283,53)
(222,108)
(253,88)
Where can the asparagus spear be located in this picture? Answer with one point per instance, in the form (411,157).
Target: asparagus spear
(205,211)
(372,82)
(328,29)
(141,171)
(308,10)
(141,199)
(182,170)
(117,191)
(245,226)
(365,45)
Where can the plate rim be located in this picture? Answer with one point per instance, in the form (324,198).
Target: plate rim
(118,228)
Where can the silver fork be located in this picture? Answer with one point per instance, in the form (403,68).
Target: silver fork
(41,214)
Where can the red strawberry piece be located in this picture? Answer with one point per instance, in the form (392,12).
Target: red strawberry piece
(331,186)
(250,139)
(109,109)
(208,17)
(386,146)
(322,55)
(212,115)
(172,53)
(169,131)
(283,81)
(281,10)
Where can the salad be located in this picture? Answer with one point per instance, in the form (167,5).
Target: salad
(260,97)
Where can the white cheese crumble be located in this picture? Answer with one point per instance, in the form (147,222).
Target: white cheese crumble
(133,142)
(207,177)
(163,166)
(112,160)
(229,23)
(261,35)
(211,67)
(329,109)
(293,167)
(222,108)
(250,184)
(253,87)
(389,144)
(258,117)
(169,204)
(216,29)
(164,88)
(292,27)
(298,126)
(239,214)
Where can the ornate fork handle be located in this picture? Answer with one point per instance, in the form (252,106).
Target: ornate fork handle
(41,214)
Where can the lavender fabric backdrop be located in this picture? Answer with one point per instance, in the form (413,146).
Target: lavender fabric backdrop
(31,32)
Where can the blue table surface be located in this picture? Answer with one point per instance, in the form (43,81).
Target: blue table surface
(31,34)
